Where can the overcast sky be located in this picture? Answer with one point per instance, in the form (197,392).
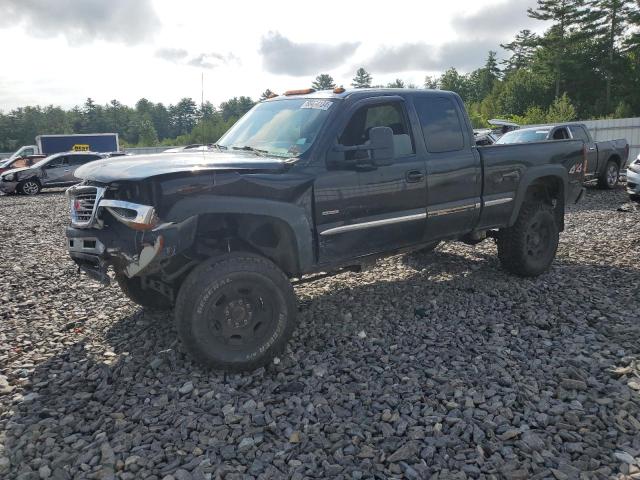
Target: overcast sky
(61,52)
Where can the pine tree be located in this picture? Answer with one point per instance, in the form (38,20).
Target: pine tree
(522,49)
(148,135)
(324,81)
(567,16)
(267,94)
(610,20)
(430,83)
(362,79)
(397,83)
(561,110)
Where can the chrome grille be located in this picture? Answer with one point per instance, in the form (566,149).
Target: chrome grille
(83,202)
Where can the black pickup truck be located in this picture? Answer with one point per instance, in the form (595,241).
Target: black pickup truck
(310,182)
(605,158)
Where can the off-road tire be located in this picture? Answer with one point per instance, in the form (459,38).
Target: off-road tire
(609,177)
(145,297)
(518,251)
(29,187)
(235,312)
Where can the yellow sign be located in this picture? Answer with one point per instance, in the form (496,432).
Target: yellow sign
(80,147)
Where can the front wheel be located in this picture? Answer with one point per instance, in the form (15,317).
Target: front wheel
(29,187)
(236,312)
(609,178)
(529,246)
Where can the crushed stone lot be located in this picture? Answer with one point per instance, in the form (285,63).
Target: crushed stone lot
(433,365)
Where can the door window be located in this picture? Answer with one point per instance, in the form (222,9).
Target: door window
(561,134)
(440,124)
(579,133)
(390,115)
(78,160)
(59,162)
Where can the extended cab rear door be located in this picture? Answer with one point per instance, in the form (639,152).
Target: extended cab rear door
(454,174)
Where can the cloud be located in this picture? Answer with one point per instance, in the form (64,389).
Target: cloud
(80,21)
(202,60)
(478,33)
(282,56)
(171,54)
(463,54)
(496,21)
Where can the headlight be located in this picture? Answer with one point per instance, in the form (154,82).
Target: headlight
(9,177)
(133,215)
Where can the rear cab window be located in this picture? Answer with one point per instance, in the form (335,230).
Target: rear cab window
(579,133)
(440,123)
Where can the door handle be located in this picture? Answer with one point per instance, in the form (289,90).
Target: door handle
(592,148)
(414,176)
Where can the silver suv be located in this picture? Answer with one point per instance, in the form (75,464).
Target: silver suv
(53,171)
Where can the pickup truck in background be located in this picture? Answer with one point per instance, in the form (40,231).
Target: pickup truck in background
(605,159)
(304,183)
(77,142)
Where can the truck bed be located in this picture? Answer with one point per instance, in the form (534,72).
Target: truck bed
(505,167)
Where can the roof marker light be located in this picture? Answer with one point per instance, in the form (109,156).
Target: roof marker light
(303,91)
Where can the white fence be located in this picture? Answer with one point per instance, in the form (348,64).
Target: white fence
(628,128)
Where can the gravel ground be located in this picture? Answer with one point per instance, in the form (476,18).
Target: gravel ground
(427,366)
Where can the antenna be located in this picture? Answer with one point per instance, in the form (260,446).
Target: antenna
(202,109)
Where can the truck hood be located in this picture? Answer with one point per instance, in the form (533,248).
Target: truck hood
(139,167)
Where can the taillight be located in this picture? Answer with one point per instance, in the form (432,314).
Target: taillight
(585,159)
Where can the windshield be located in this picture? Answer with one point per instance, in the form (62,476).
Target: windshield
(524,136)
(284,128)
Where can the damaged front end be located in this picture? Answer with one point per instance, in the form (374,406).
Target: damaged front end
(130,237)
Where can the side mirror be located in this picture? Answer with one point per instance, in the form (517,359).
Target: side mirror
(381,146)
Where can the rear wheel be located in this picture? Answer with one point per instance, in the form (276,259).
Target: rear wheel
(145,297)
(29,187)
(529,246)
(609,178)
(236,312)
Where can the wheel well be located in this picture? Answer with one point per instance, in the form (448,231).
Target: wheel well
(549,189)
(264,235)
(615,158)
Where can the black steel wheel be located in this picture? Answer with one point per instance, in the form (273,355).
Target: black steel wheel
(236,312)
(529,246)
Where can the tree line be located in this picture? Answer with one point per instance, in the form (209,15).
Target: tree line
(585,65)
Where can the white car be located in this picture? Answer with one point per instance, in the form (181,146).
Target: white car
(633,179)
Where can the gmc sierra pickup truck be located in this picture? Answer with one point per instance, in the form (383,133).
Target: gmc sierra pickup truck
(605,159)
(310,182)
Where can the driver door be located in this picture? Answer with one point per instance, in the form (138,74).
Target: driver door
(361,209)
(56,171)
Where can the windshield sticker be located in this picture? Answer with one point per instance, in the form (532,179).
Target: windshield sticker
(317,104)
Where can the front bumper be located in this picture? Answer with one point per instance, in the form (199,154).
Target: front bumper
(633,181)
(129,252)
(8,187)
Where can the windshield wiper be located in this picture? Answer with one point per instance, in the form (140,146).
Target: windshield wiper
(218,146)
(251,149)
